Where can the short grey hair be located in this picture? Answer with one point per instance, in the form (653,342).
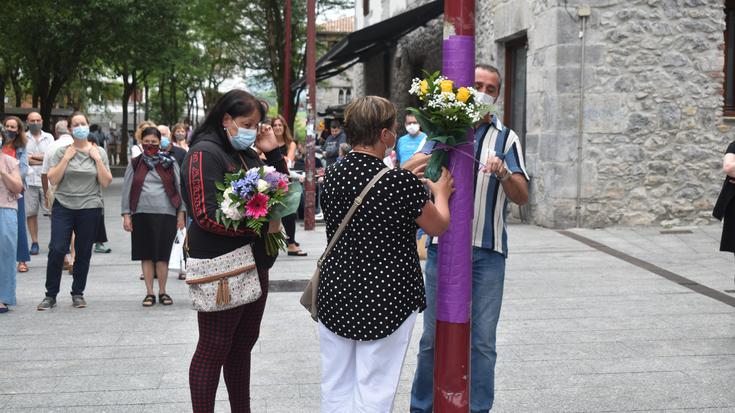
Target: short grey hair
(61,127)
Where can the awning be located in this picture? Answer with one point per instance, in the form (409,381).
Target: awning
(363,44)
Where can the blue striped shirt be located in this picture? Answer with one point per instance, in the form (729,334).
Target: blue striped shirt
(489,229)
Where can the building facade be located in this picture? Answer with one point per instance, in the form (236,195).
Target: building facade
(622,106)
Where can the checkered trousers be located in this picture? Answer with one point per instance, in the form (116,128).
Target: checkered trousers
(225,340)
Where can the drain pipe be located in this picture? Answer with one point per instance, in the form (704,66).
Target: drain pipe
(583,12)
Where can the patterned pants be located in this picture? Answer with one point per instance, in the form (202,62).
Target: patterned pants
(225,340)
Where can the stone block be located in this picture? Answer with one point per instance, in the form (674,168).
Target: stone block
(560,179)
(557,147)
(511,19)
(605,113)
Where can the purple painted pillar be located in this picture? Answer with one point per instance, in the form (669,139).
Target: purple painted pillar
(454,284)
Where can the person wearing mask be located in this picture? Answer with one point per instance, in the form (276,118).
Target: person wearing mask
(223,144)
(181,133)
(11,187)
(287,146)
(167,145)
(79,171)
(34,196)
(14,144)
(371,287)
(331,145)
(136,148)
(409,143)
(152,210)
(502,179)
(63,139)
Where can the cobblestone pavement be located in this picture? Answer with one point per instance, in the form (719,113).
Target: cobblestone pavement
(584,327)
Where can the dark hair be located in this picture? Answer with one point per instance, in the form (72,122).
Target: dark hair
(94,127)
(335,124)
(235,103)
(491,69)
(366,117)
(150,131)
(22,139)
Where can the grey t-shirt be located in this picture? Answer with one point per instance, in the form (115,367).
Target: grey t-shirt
(153,198)
(79,187)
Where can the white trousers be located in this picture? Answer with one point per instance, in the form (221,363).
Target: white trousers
(362,376)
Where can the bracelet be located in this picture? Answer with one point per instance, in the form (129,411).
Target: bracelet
(506,176)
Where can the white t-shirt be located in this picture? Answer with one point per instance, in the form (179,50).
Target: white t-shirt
(63,141)
(34,172)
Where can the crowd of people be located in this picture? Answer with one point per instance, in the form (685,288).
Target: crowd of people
(371,284)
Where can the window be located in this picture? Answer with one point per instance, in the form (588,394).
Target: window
(365,7)
(514,108)
(348,95)
(729,86)
(341,100)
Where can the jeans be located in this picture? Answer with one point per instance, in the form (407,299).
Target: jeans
(488,274)
(64,221)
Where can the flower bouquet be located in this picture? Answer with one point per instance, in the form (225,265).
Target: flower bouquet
(445,114)
(252,198)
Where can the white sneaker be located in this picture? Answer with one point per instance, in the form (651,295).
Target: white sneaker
(319,217)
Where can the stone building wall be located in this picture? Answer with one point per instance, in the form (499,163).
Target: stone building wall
(654,134)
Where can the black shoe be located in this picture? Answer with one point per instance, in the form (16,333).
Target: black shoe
(47,304)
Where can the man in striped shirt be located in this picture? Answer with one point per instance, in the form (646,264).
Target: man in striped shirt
(501,178)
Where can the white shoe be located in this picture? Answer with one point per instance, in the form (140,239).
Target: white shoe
(319,217)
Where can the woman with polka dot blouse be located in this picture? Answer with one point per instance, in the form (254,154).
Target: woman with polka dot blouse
(371,286)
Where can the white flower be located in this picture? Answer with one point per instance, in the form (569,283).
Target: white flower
(268,169)
(232,213)
(262,185)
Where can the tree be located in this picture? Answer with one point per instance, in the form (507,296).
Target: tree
(68,36)
(141,33)
(262,49)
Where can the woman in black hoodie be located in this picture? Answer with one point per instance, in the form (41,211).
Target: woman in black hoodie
(222,144)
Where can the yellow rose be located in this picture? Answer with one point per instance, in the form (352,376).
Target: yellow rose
(446,86)
(424,87)
(463,94)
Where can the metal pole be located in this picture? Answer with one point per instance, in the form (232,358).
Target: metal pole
(286,112)
(309,222)
(454,284)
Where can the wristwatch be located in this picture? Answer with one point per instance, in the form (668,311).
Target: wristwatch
(506,176)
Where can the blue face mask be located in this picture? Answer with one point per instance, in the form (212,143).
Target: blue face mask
(165,142)
(244,139)
(80,132)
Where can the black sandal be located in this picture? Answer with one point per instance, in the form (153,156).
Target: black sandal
(298,253)
(149,300)
(165,299)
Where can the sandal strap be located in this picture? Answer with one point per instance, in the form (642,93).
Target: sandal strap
(164,297)
(150,298)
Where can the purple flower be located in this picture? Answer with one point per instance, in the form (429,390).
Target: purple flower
(272,178)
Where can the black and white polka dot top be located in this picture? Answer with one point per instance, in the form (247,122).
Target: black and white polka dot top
(372,281)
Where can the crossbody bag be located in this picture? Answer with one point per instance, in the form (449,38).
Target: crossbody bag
(310,294)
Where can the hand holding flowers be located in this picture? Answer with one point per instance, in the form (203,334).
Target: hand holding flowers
(254,197)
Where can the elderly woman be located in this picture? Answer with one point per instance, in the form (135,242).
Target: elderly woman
(79,172)
(371,286)
(221,145)
(152,210)
(10,188)
(14,144)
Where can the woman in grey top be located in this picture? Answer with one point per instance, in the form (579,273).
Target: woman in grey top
(152,211)
(79,171)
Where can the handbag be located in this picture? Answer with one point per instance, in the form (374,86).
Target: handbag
(223,282)
(309,296)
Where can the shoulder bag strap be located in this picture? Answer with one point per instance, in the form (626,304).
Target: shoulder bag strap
(348,216)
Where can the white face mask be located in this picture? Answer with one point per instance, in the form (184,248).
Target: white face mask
(485,99)
(412,128)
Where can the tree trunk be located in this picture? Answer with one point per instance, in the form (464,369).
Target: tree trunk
(147,105)
(162,97)
(174,103)
(128,88)
(2,94)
